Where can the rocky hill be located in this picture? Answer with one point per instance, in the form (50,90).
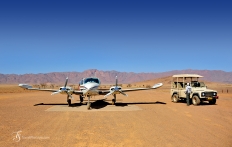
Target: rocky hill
(108,77)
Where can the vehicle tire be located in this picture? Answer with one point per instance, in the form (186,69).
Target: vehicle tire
(175,98)
(196,100)
(69,102)
(213,101)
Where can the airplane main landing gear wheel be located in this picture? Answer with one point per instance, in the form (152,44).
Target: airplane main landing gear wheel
(81,99)
(113,101)
(69,102)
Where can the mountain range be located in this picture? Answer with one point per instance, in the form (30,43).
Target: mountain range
(108,77)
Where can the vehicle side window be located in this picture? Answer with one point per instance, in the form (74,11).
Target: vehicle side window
(180,85)
(202,84)
(174,85)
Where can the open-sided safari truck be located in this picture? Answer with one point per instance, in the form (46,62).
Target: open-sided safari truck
(199,93)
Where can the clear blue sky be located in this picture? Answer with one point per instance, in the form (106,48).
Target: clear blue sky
(40,36)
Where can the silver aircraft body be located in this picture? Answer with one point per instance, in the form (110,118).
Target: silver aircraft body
(89,87)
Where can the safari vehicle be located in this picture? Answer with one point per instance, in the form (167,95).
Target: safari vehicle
(199,93)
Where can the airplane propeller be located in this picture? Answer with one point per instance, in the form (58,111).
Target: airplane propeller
(115,90)
(63,89)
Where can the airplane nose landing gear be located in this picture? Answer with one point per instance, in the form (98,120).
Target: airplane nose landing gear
(69,102)
(88,104)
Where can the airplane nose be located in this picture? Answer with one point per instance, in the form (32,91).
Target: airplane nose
(87,91)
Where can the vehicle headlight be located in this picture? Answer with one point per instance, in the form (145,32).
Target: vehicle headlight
(202,94)
(214,93)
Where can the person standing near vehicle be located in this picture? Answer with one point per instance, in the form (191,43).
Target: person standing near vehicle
(188,91)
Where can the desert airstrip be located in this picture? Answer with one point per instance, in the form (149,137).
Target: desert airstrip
(144,118)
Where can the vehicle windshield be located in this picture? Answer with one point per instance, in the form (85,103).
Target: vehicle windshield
(198,84)
(91,80)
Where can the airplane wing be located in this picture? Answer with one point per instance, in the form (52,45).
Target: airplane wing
(77,92)
(49,90)
(104,92)
(28,87)
(138,89)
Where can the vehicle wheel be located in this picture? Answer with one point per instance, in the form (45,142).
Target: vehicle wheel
(196,100)
(69,102)
(175,98)
(213,101)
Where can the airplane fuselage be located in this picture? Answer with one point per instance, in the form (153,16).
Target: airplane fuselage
(89,86)
(90,89)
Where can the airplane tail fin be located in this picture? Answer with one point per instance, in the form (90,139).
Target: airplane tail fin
(157,85)
(25,86)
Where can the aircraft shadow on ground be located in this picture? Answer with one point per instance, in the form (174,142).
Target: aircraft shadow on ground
(98,104)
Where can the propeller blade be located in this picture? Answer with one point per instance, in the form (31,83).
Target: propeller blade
(108,94)
(116,81)
(66,82)
(123,93)
(157,85)
(55,92)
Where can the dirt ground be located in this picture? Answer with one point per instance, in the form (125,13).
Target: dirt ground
(26,120)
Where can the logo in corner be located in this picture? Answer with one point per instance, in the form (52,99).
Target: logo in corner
(17,136)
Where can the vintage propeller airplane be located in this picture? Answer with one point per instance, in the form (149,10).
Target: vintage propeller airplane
(89,87)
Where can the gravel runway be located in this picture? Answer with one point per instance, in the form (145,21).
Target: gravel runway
(144,118)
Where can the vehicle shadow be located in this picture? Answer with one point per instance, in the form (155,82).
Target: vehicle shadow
(204,103)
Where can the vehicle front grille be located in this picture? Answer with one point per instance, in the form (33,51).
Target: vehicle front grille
(208,94)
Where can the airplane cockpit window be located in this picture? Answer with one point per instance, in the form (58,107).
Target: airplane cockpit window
(91,80)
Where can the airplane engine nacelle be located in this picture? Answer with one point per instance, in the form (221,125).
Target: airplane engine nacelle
(115,89)
(65,90)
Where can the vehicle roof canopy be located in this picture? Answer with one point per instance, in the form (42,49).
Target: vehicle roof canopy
(187,76)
